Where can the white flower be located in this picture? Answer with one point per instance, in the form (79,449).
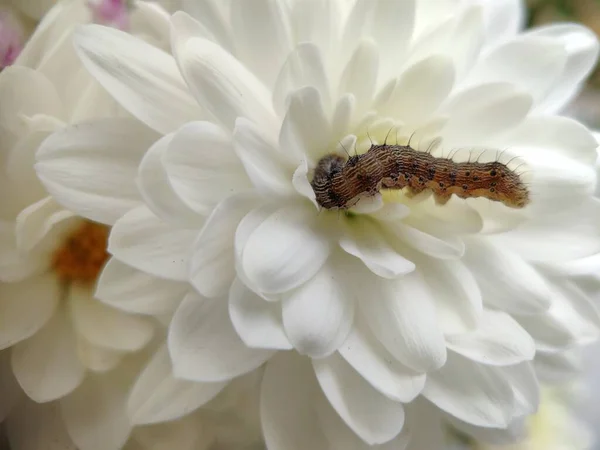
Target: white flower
(404,310)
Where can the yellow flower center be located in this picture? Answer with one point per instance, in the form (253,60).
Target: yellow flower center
(83,254)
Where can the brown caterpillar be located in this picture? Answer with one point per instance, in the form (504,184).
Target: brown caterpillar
(338,181)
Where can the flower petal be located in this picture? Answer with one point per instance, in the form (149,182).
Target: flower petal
(105,326)
(318,315)
(156,188)
(106,425)
(359,77)
(265,166)
(304,67)
(404,321)
(285,250)
(373,417)
(95,358)
(499,340)
(257,322)
(365,240)
(306,131)
(143,241)
(46,365)
(157,396)
(484,398)
(289,380)
(378,367)
(123,287)
(212,265)
(144,79)
(26,306)
(90,168)
(222,85)
(507,282)
(202,166)
(204,345)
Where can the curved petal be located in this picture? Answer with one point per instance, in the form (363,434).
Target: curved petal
(157,190)
(484,398)
(365,240)
(304,66)
(359,77)
(581,45)
(257,322)
(289,380)
(123,287)
(504,18)
(157,396)
(106,425)
(143,241)
(222,85)
(373,417)
(285,250)
(95,358)
(46,365)
(90,167)
(378,367)
(204,345)
(144,79)
(318,315)
(26,306)
(202,166)
(306,131)
(105,326)
(404,320)
(212,265)
(499,341)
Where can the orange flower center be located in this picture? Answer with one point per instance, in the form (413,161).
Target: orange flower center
(83,254)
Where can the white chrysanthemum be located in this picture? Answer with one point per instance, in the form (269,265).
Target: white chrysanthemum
(404,309)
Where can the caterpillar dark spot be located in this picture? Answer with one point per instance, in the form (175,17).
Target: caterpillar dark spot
(339,182)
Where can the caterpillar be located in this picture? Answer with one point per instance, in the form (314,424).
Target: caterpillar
(339,182)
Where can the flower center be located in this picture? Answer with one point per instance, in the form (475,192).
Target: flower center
(83,254)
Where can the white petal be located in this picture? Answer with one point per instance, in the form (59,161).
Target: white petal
(515,432)
(157,396)
(532,63)
(440,248)
(212,264)
(143,241)
(90,168)
(106,425)
(558,367)
(421,89)
(306,131)
(318,315)
(507,282)
(32,426)
(366,241)
(581,45)
(404,320)
(504,18)
(285,250)
(144,79)
(133,291)
(26,306)
(204,345)
(456,294)
(525,386)
(202,166)
(46,365)
(223,86)
(378,367)
(289,380)
(482,398)
(105,326)
(268,170)
(97,359)
(10,392)
(499,340)
(549,331)
(14,265)
(375,418)
(264,36)
(257,322)
(156,188)
(359,77)
(304,67)
(37,220)
(210,16)
(188,433)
